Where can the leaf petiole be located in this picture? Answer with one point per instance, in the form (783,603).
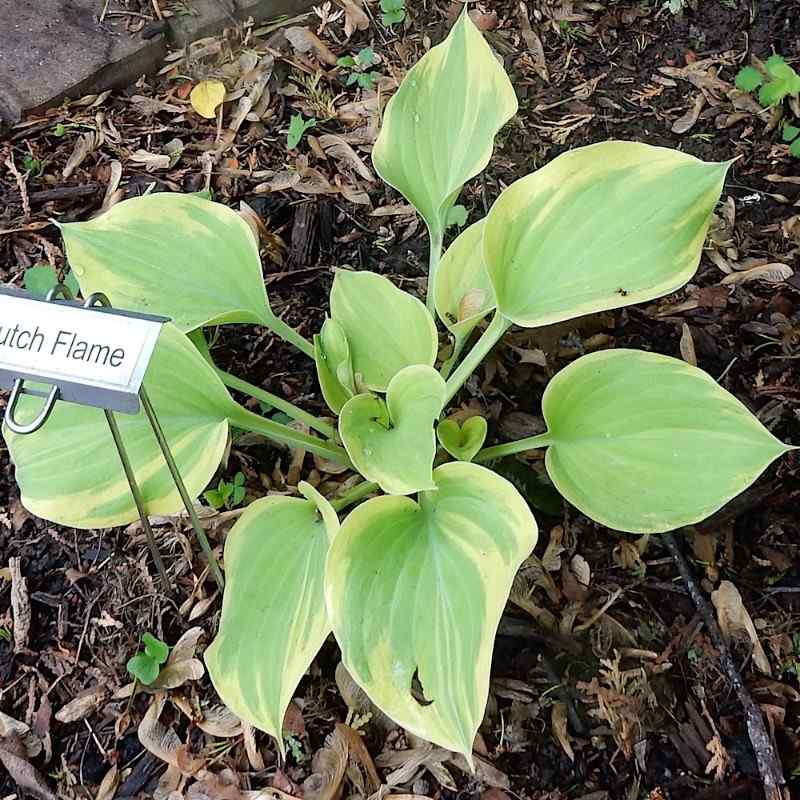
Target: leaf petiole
(287,333)
(290,409)
(358,492)
(509,448)
(489,338)
(249,421)
(434,257)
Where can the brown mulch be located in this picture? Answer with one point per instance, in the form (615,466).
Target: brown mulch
(605,682)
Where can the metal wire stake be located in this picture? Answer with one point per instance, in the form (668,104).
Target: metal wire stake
(176,477)
(137,498)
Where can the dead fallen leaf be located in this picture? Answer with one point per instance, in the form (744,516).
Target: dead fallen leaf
(83,705)
(328,765)
(734,621)
(181,665)
(22,772)
(206,97)
(306,41)
(689,119)
(558,724)
(533,42)
(688,353)
(771,273)
(108,786)
(85,145)
(355,19)
(336,147)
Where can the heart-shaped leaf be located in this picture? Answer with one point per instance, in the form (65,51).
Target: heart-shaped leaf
(464,293)
(434,576)
(334,365)
(393,442)
(179,255)
(462,441)
(69,471)
(600,227)
(386,328)
(273,610)
(645,443)
(439,128)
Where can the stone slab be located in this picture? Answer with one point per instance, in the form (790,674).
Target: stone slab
(52,49)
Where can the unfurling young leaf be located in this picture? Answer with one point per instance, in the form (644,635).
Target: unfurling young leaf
(393,442)
(386,328)
(435,576)
(645,443)
(464,293)
(600,227)
(438,130)
(334,365)
(146,666)
(155,648)
(273,612)
(394,11)
(462,441)
(297,127)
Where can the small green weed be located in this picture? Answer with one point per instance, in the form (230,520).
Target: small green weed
(41,278)
(775,82)
(393,12)
(297,127)
(146,664)
(359,68)
(227,495)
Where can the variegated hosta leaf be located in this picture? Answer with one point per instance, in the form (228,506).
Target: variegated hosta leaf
(464,293)
(334,365)
(393,442)
(69,471)
(646,443)
(179,255)
(438,130)
(600,227)
(273,611)
(415,590)
(386,328)
(462,441)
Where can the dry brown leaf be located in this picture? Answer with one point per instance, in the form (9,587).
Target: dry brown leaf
(336,147)
(689,119)
(151,161)
(533,43)
(108,786)
(771,273)
(581,569)
(210,786)
(394,210)
(162,742)
(10,727)
(20,605)
(181,665)
(734,620)
(558,724)
(220,721)
(251,747)
(688,353)
(358,751)
(85,145)
(328,765)
(720,760)
(355,19)
(22,772)
(83,705)
(304,40)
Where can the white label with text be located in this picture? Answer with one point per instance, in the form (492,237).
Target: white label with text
(61,342)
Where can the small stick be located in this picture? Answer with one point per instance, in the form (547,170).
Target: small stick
(768,767)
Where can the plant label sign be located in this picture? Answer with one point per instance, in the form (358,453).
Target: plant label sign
(95,356)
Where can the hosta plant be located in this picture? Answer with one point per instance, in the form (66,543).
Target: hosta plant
(413,581)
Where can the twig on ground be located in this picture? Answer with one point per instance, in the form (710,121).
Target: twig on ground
(768,766)
(23,189)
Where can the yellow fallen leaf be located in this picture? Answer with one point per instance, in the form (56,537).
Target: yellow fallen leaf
(206,96)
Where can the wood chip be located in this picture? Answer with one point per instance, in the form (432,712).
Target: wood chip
(20,605)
